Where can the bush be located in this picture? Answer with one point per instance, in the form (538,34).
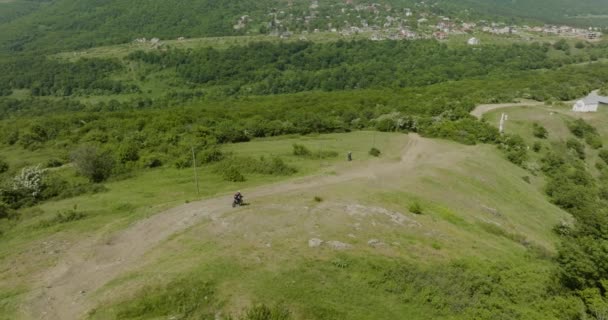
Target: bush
(537,146)
(128,152)
(577,147)
(539,131)
(515,149)
(415,207)
(604,155)
(318,199)
(374,152)
(53,163)
(301,151)
(580,128)
(594,141)
(263,312)
(232,174)
(152,161)
(3,166)
(210,155)
(93,163)
(5,211)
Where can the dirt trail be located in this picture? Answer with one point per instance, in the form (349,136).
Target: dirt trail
(62,291)
(482,109)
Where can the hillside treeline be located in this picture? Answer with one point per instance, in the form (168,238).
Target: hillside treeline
(269,68)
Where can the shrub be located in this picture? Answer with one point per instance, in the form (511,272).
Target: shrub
(318,199)
(152,161)
(210,155)
(374,152)
(415,207)
(580,128)
(301,151)
(515,148)
(594,141)
(93,163)
(5,211)
(3,166)
(577,147)
(29,181)
(539,131)
(604,155)
(128,152)
(53,163)
(263,312)
(537,146)
(232,174)
(276,166)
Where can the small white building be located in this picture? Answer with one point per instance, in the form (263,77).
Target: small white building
(473,42)
(590,103)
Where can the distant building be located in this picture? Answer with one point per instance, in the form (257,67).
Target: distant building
(473,42)
(590,103)
(593,35)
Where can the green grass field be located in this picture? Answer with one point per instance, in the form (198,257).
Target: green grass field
(477,215)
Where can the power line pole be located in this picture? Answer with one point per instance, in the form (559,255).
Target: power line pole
(198,192)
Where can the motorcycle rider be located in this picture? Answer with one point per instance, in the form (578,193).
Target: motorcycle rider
(238,197)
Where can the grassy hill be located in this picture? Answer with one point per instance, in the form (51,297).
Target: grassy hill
(477,219)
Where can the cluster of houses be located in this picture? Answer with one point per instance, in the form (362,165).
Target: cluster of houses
(567,31)
(382,21)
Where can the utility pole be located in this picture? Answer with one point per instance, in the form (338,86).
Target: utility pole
(198,192)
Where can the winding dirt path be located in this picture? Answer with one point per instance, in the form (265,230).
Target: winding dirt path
(482,109)
(62,291)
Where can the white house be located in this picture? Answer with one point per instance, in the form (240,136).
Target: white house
(473,42)
(590,103)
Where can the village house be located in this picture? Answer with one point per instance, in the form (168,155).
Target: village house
(590,103)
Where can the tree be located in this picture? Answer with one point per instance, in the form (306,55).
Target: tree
(29,181)
(93,163)
(539,131)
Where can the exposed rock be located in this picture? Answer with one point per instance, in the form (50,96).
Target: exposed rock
(337,245)
(492,211)
(315,242)
(375,243)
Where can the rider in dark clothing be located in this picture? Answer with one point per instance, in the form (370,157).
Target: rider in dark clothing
(238,197)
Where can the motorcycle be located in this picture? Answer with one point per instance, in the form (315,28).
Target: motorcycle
(237,202)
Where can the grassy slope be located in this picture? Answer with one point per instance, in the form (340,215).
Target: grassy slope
(260,254)
(555,120)
(476,208)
